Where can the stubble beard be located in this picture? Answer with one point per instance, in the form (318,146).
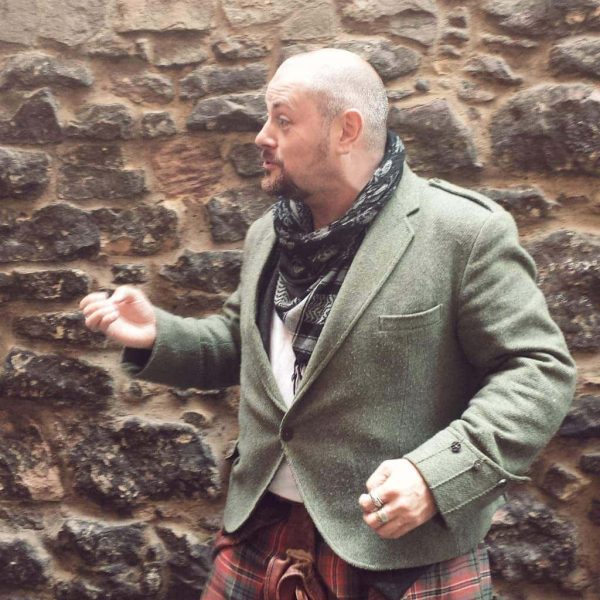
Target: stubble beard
(281,184)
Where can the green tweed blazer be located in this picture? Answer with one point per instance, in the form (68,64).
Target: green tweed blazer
(439,348)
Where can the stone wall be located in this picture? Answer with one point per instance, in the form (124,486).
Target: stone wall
(126,156)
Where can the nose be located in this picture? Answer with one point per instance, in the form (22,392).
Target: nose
(264,137)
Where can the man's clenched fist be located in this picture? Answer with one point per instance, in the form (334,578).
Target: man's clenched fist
(126,317)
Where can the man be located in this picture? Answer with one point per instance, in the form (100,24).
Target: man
(386,330)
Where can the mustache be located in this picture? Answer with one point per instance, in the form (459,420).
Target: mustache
(268,157)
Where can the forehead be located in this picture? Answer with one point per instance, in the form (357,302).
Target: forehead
(290,89)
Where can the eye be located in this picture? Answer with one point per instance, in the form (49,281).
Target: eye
(283,122)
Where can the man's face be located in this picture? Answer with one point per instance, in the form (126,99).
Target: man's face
(294,142)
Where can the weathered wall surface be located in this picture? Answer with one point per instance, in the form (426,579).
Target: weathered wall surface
(126,156)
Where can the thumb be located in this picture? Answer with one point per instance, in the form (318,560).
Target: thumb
(379,476)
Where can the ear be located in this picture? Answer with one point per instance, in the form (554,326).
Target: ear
(350,129)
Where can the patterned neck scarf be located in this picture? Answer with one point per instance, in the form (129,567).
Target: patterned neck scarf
(313,264)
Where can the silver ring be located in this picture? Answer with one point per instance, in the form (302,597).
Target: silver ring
(382,516)
(376,500)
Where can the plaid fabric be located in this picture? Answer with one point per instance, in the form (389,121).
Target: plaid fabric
(243,559)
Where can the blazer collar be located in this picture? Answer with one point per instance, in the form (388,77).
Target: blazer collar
(386,240)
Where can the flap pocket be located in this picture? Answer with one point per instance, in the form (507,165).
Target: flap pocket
(411,321)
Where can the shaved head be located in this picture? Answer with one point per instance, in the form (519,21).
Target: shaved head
(340,81)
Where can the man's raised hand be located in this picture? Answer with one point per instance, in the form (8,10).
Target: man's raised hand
(126,317)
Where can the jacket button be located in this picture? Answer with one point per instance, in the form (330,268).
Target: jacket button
(477,464)
(455,447)
(287,433)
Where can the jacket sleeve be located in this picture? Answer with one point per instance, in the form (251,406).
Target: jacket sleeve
(506,332)
(190,352)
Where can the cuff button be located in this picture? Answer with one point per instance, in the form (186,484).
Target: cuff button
(455,447)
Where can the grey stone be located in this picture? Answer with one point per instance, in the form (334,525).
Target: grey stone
(85,183)
(123,562)
(505,42)
(459,17)
(46,286)
(395,95)
(523,202)
(146,88)
(540,17)
(104,122)
(577,56)
(422,85)
(198,420)
(449,51)
(213,271)
(73,23)
(35,122)
(569,275)
(142,230)
(129,273)
(105,156)
(20,20)
(241,13)
(583,420)
(594,514)
(246,160)
(189,562)
(413,19)
(240,46)
(157,124)
(438,140)
(28,470)
(562,483)
(455,36)
(21,564)
(215,80)
(54,379)
(177,51)
(110,46)
(231,213)
(389,60)
(590,463)
(141,461)
(33,70)
(54,232)
(549,128)
(23,174)
(237,112)
(311,19)
(473,93)
(66,327)
(150,15)
(492,68)
(529,542)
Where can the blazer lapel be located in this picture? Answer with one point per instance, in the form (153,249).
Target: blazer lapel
(385,242)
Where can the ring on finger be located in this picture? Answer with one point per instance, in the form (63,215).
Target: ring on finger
(376,500)
(382,516)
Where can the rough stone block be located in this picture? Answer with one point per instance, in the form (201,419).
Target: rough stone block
(213,271)
(240,46)
(219,80)
(389,60)
(104,156)
(54,232)
(529,542)
(312,19)
(20,19)
(523,202)
(86,183)
(577,56)
(21,564)
(505,42)
(241,13)
(459,17)
(150,15)
(157,124)
(102,122)
(129,274)
(143,461)
(590,463)
(55,379)
(187,166)
(31,70)
(23,174)
(66,327)
(549,128)
(146,88)
(492,68)
(44,285)
(569,275)
(109,46)
(122,561)
(413,19)
(583,420)
(231,213)
(455,36)
(177,51)
(439,141)
(141,231)
(189,562)
(28,470)
(474,94)
(35,122)
(246,160)
(562,483)
(237,112)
